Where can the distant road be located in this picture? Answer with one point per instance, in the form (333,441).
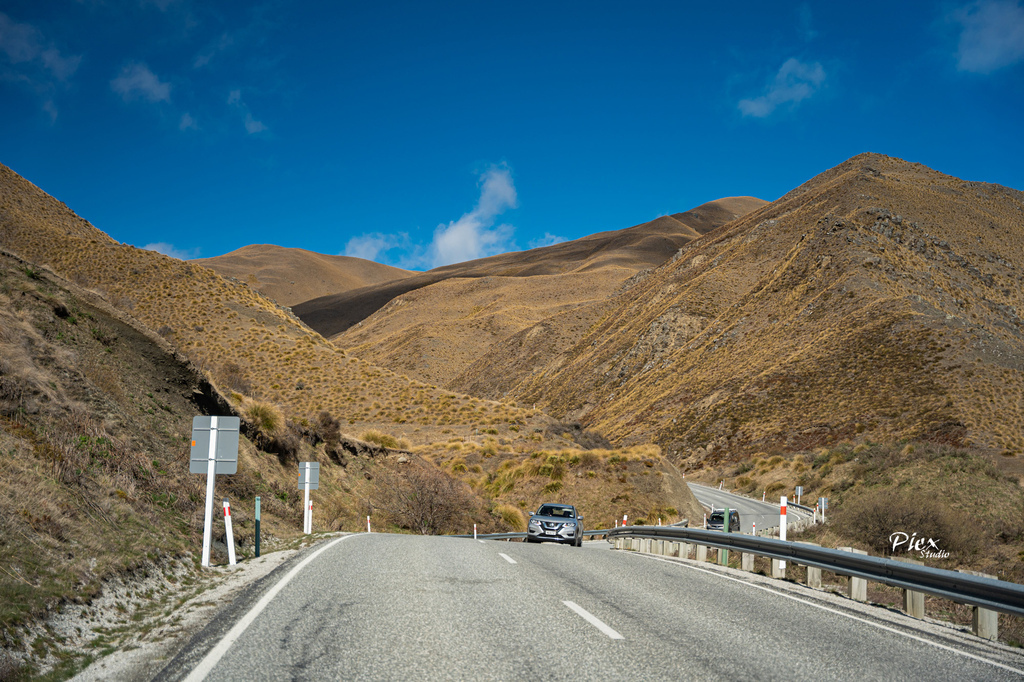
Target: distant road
(406,607)
(764,514)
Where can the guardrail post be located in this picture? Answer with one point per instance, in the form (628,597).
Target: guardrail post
(659,547)
(684,550)
(913,602)
(813,574)
(747,561)
(635,544)
(984,622)
(673,549)
(702,552)
(858,586)
(778,569)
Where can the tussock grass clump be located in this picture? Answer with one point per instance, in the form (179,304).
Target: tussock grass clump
(265,416)
(384,440)
(512,516)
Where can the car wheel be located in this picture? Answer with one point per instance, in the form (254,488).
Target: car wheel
(579,541)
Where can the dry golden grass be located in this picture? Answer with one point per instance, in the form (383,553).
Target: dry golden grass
(291,276)
(880,299)
(603,484)
(228,329)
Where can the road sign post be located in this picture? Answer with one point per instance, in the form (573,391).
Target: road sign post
(799,493)
(214,451)
(309,479)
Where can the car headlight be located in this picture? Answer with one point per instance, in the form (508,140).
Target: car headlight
(534,522)
(570,525)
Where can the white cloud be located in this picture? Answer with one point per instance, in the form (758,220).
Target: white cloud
(795,82)
(547,240)
(172,251)
(474,235)
(992,37)
(137,81)
(252,126)
(375,245)
(187,122)
(35,62)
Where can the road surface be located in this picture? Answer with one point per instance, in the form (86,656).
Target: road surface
(400,607)
(764,514)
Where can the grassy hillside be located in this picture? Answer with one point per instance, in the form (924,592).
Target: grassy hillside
(879,300)
(291,276)
(439,323)
(247,343)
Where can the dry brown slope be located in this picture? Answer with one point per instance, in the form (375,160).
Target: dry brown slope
(231,330)
(880,299)
(291,276)
(635,248)
(435,332)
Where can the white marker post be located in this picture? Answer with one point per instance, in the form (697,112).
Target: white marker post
(368,525)
(305,505)
(211,472)
(782,526)
(309,479)
(624,517)
(474,531)
(230,536)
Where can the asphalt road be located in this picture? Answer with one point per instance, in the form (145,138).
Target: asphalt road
(764,514)
(402,607)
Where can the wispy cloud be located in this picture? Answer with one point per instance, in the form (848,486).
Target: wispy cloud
(172,251)
(806,22)
(473,235)
(223,43)
(547,240)
(136,81)
(376,245)
(795,82)
(252,126)
(187,122)
(34,61)
(992,35)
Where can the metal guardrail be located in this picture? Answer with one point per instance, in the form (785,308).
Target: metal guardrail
(989,593)
(522,536)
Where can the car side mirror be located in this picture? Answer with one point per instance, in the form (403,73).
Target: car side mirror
(579,518)
(531,513)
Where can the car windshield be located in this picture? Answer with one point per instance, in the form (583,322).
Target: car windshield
(551,510)
(717,516)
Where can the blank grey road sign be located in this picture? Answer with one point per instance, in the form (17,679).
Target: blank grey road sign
(227,445)
(314,475)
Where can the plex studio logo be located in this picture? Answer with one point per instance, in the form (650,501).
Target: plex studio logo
(926,548)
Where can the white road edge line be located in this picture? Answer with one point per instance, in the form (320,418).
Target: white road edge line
(592,619)
(507,558)
(481,542)
(846,615)
(207,664)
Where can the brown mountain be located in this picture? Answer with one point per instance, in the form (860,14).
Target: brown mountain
(634,248)
(881,299)
(432,326)
(291,276)
(246,342)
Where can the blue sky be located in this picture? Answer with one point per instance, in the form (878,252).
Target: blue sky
(420,133)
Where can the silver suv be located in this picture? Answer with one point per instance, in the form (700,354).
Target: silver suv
(556,523)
